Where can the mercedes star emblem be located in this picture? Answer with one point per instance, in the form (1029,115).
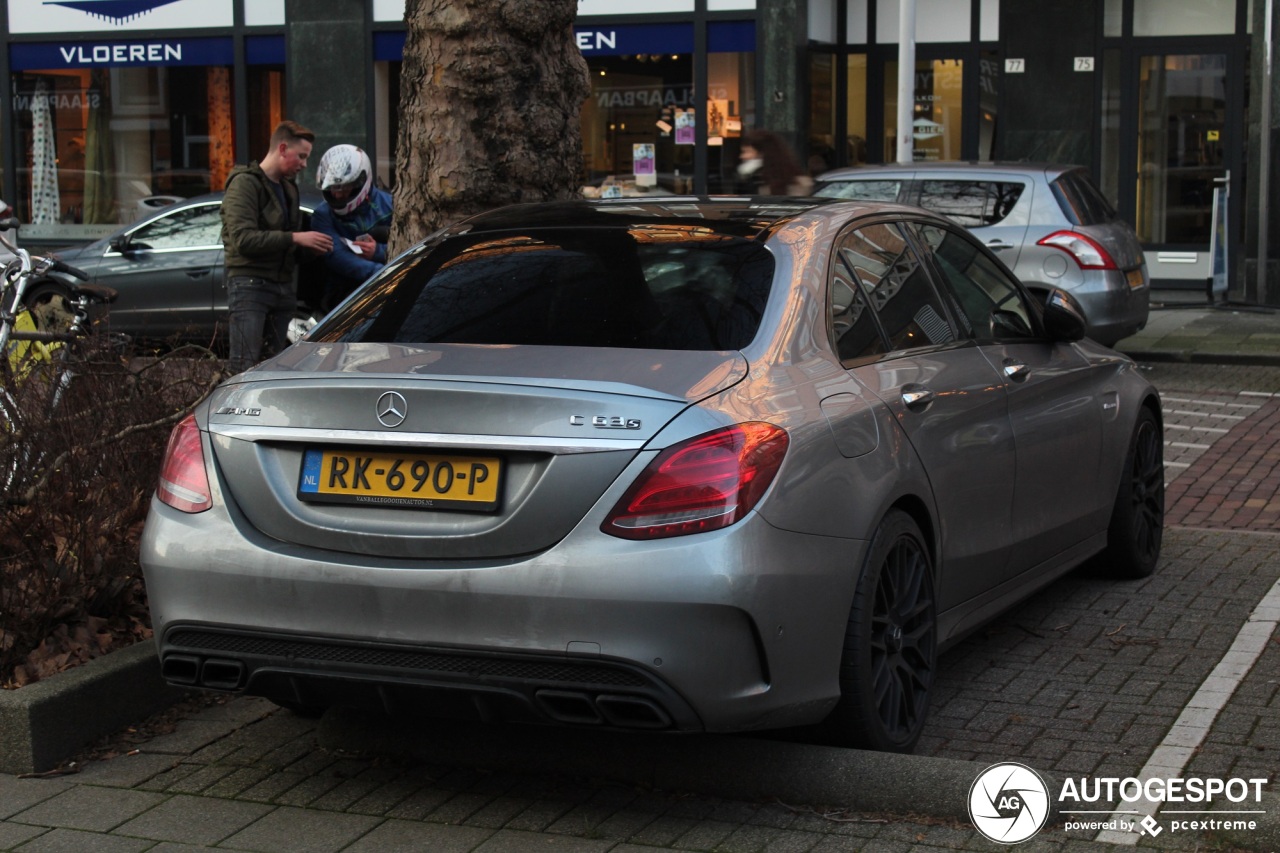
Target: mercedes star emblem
(392,409)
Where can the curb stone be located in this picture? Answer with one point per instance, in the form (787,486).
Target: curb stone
(47,722)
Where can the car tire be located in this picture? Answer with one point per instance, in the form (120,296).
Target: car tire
(49,305)
(890,647)
(1137,519)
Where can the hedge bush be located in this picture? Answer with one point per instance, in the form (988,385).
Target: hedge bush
(75,483)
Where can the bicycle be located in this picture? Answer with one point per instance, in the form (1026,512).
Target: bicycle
(31,340)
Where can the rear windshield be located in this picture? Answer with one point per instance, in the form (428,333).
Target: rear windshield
(647,287)
(1082,202)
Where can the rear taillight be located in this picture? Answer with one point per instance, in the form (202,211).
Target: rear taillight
(1087,253)
(705,483)
(184,483)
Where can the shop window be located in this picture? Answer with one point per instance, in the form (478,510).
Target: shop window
(643,104)
(100,147)
(856,134)
(936,115)
(267,108)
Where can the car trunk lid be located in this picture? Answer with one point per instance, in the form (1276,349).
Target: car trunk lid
(446,452)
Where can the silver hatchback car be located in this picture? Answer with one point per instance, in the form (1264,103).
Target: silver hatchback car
(684,464)
(1049,224)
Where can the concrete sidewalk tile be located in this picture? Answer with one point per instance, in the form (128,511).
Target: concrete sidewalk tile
(124,771)
(91,808)
(189,737)
(19,794)
(194,820)
(499,812)
(402,836)
(751,839)
(13,834)
(293,830)
(201,780)
(509,841)
(69,840)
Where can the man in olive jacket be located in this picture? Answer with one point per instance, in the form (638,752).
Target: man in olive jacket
(261,224)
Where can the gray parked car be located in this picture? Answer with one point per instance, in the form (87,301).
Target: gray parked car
(685,464)
(167,269)
(1049,224)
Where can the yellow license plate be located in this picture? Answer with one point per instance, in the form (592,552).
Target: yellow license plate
(1135,278)
(394,479)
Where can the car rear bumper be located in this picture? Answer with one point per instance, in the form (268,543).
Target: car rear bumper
(731,630)
(1113,309)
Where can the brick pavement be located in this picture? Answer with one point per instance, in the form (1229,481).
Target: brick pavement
(1235,484)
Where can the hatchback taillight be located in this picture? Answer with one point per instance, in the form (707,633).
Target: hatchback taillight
(705,483)
(1087,253)
(184,483)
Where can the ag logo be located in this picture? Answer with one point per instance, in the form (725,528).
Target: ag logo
(1009,803)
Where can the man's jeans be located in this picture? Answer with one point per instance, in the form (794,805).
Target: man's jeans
(259,308)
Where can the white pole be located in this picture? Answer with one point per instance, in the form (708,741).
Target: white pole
(1264,165)
(906,79)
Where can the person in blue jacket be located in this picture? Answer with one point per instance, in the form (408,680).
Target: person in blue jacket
(352,209)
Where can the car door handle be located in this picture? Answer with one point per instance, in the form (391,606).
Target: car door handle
(199,273)
(999,245)
(1016,370)
(916,397)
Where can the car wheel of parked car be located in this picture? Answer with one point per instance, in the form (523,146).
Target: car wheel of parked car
(890,647)
(1137,520)
(50,306)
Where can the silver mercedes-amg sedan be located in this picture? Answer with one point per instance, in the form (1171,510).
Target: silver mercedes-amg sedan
(686,464)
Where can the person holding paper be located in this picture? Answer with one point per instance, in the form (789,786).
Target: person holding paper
(352,212)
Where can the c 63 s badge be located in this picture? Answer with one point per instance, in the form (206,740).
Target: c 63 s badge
(605,421)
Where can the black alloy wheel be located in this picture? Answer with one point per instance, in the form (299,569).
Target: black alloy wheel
(1137,520)
(890,652)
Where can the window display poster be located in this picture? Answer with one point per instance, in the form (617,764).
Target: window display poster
(111,16)
(644,164)
(684,127)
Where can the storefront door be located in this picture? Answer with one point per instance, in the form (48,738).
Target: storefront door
(1185,115)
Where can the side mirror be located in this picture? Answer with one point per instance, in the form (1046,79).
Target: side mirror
(119,243)
(1063,319)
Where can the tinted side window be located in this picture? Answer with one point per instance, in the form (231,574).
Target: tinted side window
(861,190)
(972,204)
(1082,202)
(193,227)
(896,286)
(988,301)
(652,289)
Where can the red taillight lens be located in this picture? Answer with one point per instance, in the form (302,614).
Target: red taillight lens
(184,483)
(705,483)
(1086,252)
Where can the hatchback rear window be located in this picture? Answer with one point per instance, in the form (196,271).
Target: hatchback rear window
(1081,201)
(646,287)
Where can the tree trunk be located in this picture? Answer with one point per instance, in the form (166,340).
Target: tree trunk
(489,111)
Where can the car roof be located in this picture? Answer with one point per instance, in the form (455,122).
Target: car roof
(751,217)
(736,215)
(1051,171)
